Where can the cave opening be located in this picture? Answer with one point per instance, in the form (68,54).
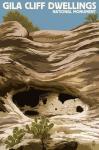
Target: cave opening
(29,98)
(31,113)
(26,100)
(64,97)
(79,109)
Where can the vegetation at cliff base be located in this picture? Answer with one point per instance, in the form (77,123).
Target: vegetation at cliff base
(23,20)
(15,138)
(39,129)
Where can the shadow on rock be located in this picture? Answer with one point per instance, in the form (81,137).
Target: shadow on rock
(62,146)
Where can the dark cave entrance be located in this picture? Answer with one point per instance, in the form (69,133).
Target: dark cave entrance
(64,97)
(79,109)
(29,98)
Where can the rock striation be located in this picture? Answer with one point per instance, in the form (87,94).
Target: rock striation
(55,61)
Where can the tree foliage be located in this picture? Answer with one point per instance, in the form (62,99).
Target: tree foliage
(91,18)
(15,138)
(39,128)
(17,16)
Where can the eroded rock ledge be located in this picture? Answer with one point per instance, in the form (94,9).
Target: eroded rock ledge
(62,62)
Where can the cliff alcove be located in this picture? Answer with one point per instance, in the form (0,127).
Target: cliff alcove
(30,99)
(64,67)
(27,100)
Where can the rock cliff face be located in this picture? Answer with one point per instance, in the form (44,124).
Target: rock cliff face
(60,62)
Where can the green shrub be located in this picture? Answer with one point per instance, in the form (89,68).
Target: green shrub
(16,138)
(17,16)
(39,128)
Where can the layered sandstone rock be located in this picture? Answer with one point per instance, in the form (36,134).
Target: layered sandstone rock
(59,62)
